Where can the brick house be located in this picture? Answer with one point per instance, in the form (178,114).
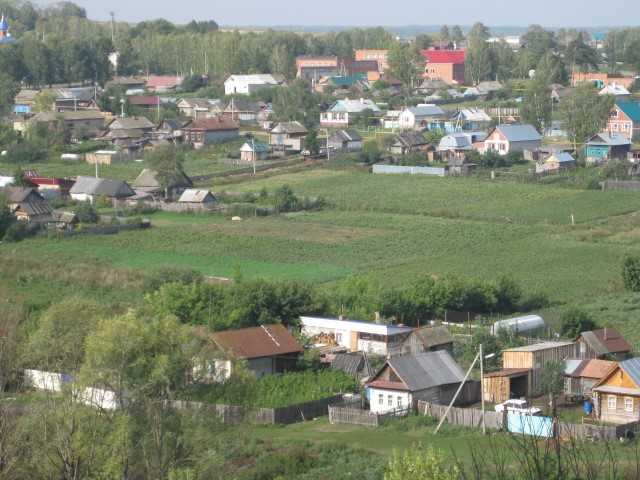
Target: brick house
(601,80)
(445,65)
(624,119)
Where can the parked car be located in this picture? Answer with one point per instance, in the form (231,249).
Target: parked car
(517,406)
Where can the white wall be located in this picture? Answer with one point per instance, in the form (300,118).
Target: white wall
(82,197)
(44,381)
(406,120)
(377,407)
(372,346)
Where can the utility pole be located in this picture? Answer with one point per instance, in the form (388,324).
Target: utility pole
(484,429)
(113,28)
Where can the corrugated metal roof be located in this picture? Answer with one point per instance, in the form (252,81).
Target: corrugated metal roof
(193,195)
(536,347)
(631,110)
(632,368)
(354,106)
(619,390)
(444,56)
(101,186)
(257,342)
(289,127)
(609,140)
(606,340)
(426,111)
(594,368)
(427,370)
(354,326)
(519,133)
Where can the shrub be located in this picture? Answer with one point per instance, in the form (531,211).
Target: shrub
(162,276)
(575,321)
(86,213)
(19,231)
(631,273)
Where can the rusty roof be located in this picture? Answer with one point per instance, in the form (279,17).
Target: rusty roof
(594,368)
(606,340)
(257,342)
(212,124)
(387,385)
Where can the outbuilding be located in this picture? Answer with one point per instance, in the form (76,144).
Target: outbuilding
(527,325)
(605,343)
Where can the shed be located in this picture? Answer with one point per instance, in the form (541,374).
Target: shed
(197,198)
(355,364)
(425,339)
(525,325)
(28,205)
(603,343)
(348,140)
(581,375)
(254,151)
(148,182)
(535,357)
(409,142)
(403,380)
(506,384)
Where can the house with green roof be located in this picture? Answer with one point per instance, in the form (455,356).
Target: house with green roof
(624,119)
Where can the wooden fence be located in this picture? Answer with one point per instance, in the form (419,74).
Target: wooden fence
(354,413)
(234,414)
(468,417)
(630,185)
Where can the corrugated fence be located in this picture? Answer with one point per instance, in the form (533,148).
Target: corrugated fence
(396,169)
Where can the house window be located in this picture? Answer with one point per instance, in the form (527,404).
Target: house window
(628,404)
(612,402)
(390,400)
(380,399)
(338,337)
(399,400)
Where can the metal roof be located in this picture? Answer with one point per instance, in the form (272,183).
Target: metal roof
(632,368)
(609,140)
(630,109)
(289,128)
(519,133)
(354,106)
(455,141)
(606,340)
(426,111)
(354,326)
(426,370)
(619,390)
(193,195)
(257,342)
(352,364)
(101,186)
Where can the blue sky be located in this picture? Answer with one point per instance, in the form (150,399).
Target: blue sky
(553,13)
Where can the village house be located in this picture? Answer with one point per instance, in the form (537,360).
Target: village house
(403,380)
(197,199)
(601,79)
(23,103)
(381,57)
(424,339)
(581,375)
(148,182)
(163,83)
(75,98)
(131,85)
(313,68)
(390,120)
(535,357)
(89,189)
(144,102)
(254,151)
(356,336)
(242,110)
(555,162)
(125,125)
(617,91)
(603,147)
(420,117)
(51,187)
(504,139)
(409,142)
(456,146)
(248,84)
(469,119)
(605,343)
(348,140)
(169,129)
(27,205)
(80,124)
(208,131)
(617,395)
(445,65)
(624,119)
(267,349)
(343,84)
(199,107)
(288,137)
(342,112)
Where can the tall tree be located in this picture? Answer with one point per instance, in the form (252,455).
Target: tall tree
(585,113)
(536,106)
(456,34)
(405,62)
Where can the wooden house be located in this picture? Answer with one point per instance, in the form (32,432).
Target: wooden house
(424,339)
(409,142)
(254,151)
(27,205)
(348,140)
(208,131)
(197,199)
(420,117)
(617,395)
(288,136)
(148,182)
(555,162)
(266,349)
(604,343)
(603,147)
(534,357)
(581,375)
(80,124)
(403,380)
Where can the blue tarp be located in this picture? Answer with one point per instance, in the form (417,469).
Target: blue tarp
(529,424)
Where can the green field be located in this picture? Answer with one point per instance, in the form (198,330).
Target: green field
(394,228)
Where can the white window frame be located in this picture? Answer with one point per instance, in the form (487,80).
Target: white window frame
(380,399)
(612,400)
(399,401)
(628,404)
(390,400)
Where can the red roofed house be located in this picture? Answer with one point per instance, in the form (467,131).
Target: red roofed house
(267,349)
(445,65)
(163,83)
(603,343)
(52,187)
(144,101)
(207,131)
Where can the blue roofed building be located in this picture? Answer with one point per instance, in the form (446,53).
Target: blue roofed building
(5,35)
(504,139)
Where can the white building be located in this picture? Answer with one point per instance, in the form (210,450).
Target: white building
(414,118)
(343,111)
(247,84)
(357,336)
